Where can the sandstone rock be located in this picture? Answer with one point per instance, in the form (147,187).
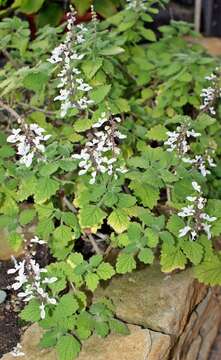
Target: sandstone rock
(154,300)
(141,344)
(200,331)
(180,319)
(30,347)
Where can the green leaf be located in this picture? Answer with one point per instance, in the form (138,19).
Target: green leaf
(68,348)
(15,240)
(192,250)
(92,281)
(95,260)
(105,271)
(126,201)
(48,169)
(174,224)
(148,34)
(146,193)
(113,50)
(31,312)
(99,93)
(45,228)
(82,125)
(209,272)
(172,258)
(6,151)
(90,67)
(134,232)
(125,263)
(91,216)
(105,8)
(26,216)
(158,133)
(45,189)
(31,6)
(101,328)
(152,238)
(48,339)
(63,234)
(119,327)
(67,306)
(118,220)
(146,256)
(82,6)
(36,81)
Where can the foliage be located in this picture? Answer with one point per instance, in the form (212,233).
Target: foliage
(104,206)
(52,12)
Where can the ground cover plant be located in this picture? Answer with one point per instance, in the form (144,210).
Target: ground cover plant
(109,160)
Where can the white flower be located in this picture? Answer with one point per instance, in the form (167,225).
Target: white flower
(207,228)
(196,186)
(82,86)
(192,133)
(70,83)
(49,280)
(27,159)
(193,235)
(177,140)
(210,94)
(15,136)
(184,231)
(51,301)
(191,198)
(42,311)
(29,141)
(101,152)
(17,351)
(187,211)
(201,203)
(207,217)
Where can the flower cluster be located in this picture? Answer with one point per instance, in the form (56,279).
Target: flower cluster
(29,142)
(101,151)
(73,88)
(29,278)
(136,5)
(201,162)
(197,220)
(17,351)
(211,94)
(178,139)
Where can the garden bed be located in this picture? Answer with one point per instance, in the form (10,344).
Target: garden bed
(110,167)
(173,317)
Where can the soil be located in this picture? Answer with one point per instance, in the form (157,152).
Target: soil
(10,329)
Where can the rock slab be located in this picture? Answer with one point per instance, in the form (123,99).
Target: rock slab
(170,318)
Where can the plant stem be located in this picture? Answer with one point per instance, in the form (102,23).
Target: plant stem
(69,205)
(94,245)
(46,112)
(10,59)
(12,112)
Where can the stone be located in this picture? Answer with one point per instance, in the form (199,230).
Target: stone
(211,44)
(30,341)
(170,317)
(154,300)
(200,331)
(141,344)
